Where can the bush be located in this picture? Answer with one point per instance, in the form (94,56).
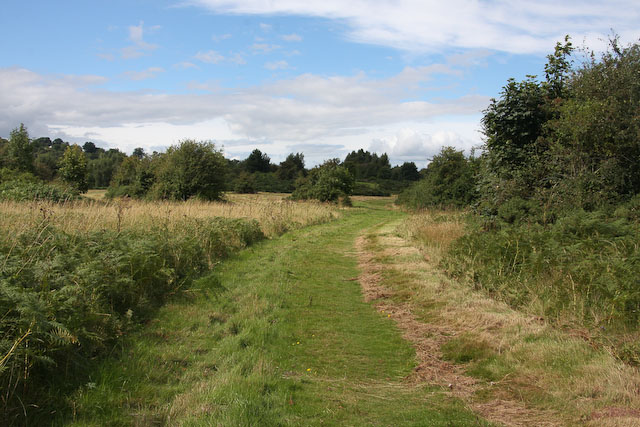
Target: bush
(191,169)
(585,266)
(328,182)
(20,191)
(449,182)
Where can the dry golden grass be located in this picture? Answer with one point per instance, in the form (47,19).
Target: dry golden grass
(434,230)
(542,371)
(275,214)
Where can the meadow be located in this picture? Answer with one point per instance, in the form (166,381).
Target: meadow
(76,277)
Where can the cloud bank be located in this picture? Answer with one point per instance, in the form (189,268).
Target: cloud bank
(513,26)
(297,111)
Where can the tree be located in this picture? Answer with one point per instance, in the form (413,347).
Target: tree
(449,181)
(190,169)
(138,152)
(257,162)
(89,147)
(292,167)
(73,168)
(409,172)
(19,150)
(596,132)
(328,182)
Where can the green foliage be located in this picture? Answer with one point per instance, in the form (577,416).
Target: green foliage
(363,188)
(367,166)
(133,178)
(328,182)
(585,265)
(103,166)
(19,150)
(257,162)
(67,299)
(597,129)
(190,169)
(28,190)
(292,167)
(449,181)
(245,184)
(73,168)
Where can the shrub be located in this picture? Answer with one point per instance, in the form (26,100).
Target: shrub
(67,299)
(585,266)
(328,182)
(449,181)
(19,191)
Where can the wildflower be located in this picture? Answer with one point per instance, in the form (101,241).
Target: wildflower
(308,369)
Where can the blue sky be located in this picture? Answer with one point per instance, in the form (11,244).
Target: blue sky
(323,78)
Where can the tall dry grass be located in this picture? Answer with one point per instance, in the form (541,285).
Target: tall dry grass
(513,354)
(434,229)
(274,213)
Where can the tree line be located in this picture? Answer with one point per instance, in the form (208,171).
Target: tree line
(192,169)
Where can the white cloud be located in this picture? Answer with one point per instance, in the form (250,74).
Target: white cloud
(218,38)
(185,65)
(419,146)
(209,57)
(265,27)
(264,47)
(149,73)
(107,56)
(348,111)
(515,26)
(139,46)
(277,65)
(292,38)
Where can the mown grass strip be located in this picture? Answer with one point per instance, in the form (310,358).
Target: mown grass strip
(278,335)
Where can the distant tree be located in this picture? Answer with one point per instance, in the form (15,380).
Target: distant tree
(245,184)
(138,152)
(102,169)
(89,147)
(257,162)
(190,169)
(292,167)
(73,168)
(328,182)
(368,166)
(409,172)
(449,181)
(19,150)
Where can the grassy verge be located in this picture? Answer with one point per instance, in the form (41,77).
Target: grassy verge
(77,277)
(514,355)
(277,335)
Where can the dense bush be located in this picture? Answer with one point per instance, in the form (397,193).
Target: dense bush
(586,265)
(328,182)
(66,299)
(19,191)
(449,181)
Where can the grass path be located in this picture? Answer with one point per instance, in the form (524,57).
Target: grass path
(278,335)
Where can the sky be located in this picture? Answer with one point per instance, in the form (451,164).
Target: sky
(404,77)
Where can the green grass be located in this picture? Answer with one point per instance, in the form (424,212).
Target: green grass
(277,335)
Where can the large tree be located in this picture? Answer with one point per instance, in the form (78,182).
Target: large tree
(73,168)
(19,150)
(190,169)
(257,162)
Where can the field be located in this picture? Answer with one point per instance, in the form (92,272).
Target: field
(262,311)
(77,277)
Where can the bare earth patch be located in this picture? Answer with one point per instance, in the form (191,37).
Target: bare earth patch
(428,338)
